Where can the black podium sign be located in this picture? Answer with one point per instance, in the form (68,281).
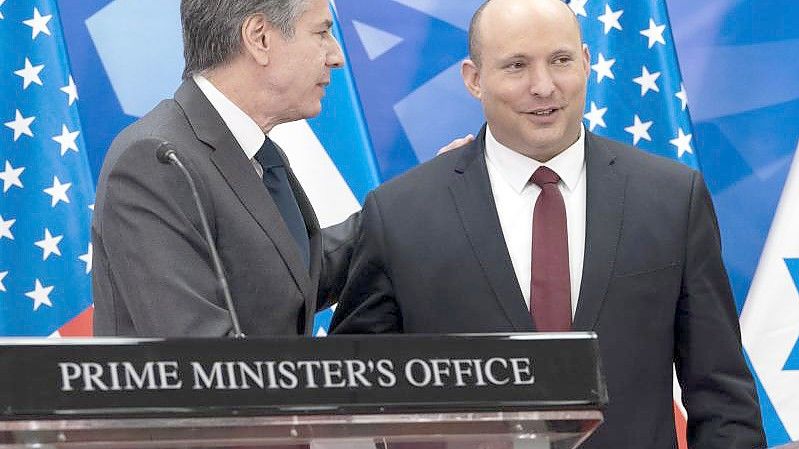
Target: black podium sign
(334,375)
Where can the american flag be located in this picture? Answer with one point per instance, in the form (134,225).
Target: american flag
(635,93)
(47,188)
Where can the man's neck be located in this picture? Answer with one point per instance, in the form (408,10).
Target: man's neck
(232,82)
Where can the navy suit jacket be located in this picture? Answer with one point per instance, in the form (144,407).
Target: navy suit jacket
(431,258)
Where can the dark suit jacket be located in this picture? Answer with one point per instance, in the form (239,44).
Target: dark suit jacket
(152,271)
(431,258)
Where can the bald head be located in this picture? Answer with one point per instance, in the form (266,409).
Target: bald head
(485,18)
(529,69)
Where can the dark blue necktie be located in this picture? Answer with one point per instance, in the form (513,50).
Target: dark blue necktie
(277,183)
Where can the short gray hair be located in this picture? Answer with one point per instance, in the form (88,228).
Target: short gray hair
(212,28)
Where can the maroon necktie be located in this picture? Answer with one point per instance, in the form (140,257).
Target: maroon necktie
(550,301)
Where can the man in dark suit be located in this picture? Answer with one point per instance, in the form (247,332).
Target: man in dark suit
(250,65)
(540,225)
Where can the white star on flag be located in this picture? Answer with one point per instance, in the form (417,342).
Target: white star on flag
(648,81)
(38,120)
(58,191)
(3,276)
(49,244)
(87,258)
(1,12)
(683,96)
(71,90)
(40,295)
(67,140)
(611,19)
(21,125)
(602,68)
(682,142)
(639,130)
(5,228)
(596,117)
(654,33)
(578,6)
(30,74)
(10,177)
(38,23)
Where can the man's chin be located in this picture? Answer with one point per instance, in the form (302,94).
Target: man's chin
(544,147)
(546,136)
(314,111)
(307,114)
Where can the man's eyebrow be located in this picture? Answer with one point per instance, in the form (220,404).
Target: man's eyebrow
(564,51)
(514,56)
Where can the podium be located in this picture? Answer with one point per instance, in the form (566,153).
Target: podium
(510,391)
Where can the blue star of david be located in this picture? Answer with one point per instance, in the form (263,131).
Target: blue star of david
(792,363)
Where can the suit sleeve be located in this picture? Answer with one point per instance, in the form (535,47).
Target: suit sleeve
(338,244)
(368,304)
(718,390)
(155,250)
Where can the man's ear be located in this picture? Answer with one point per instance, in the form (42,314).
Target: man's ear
(586,61)
(256,38)
(471,78)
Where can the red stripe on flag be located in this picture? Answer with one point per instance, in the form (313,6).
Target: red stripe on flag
(80,326)
(682,425)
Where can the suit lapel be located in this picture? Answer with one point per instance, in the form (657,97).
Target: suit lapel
(471,191)
(238,172)
(605,186)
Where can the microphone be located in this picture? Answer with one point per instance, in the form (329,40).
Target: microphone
(167,154)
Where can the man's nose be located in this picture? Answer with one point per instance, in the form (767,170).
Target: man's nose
(335,57)
(541,81)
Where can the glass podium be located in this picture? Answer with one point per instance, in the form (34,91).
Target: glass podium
(515,391)
(500,430)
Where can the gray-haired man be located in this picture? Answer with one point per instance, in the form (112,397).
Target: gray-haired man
(250,65)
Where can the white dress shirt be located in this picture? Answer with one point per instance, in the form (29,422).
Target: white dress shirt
(514,195)
(247,133)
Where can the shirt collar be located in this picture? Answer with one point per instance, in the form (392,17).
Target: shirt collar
(517,169)
(247,133)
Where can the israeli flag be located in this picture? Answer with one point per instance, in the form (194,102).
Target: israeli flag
(770,317)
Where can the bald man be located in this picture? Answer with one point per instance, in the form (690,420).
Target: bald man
(539,225)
